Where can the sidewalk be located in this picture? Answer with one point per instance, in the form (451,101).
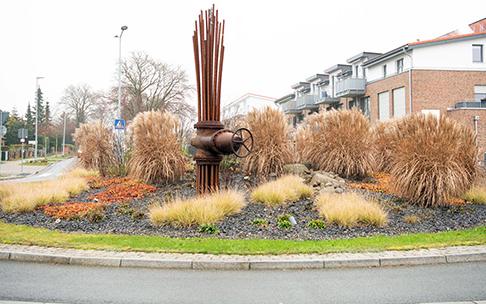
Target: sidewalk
(12,169)
(238,262)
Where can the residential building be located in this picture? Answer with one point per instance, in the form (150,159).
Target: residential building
(445,75)
(245,104)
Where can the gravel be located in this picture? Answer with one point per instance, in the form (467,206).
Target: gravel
(131,218)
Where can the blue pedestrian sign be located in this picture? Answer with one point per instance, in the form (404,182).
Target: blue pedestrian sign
(119,124)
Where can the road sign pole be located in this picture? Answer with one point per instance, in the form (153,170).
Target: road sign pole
(22,159)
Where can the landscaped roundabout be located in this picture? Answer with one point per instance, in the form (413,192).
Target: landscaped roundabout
(333,184)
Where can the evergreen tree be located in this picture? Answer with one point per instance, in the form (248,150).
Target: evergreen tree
(47,114)
(14,123)
(39,108)
(30,121)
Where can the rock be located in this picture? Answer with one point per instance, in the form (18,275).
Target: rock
(321,179)
(339,190)
(327,190)
(328,184)
(246,177)
(297,169)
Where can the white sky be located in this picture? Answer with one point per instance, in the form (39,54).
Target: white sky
(269,44)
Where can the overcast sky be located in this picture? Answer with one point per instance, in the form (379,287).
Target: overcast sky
(269,44)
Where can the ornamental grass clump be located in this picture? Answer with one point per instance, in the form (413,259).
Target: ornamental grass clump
(157,154)
(271,148)
(95,143)
(350,209)
(434,160)
(203,210)
(289,188)
(340,142)
(25,197)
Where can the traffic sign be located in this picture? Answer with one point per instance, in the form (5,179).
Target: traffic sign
(22,140)
(120,124)
(23,133)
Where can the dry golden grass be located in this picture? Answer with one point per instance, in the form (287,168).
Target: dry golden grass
(157,153)
(95,142)
(340,142)
(289,188)
(350,209)
(208,209)
(25,197)
(81,172)
(385,140)
(434,160)
(476,194)
(272,147)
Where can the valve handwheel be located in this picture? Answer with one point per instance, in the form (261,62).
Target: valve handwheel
(242,142)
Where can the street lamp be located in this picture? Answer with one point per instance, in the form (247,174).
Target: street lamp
(123,28)
(36,112)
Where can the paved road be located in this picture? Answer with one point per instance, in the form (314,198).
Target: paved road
(76,284)
(13,168)
(49,172)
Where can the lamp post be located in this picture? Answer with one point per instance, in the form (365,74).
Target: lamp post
(36,112)
(123,28)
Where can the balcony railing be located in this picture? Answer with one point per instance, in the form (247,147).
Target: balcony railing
(306,101)
(470,104)
(326,99)
(289,106)
(350,87)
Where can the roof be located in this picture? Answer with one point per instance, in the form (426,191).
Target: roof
(362,55)
(337,67)
(447,38)
(317,76)
(285,98)
(300,84)
(417,44)
(477,21)
(249,95)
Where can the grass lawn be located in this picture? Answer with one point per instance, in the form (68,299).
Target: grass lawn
(45,161)
(26,235)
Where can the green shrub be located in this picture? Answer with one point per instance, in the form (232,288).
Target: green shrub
(260,222)
(283,221)
(316,224)
(208,228)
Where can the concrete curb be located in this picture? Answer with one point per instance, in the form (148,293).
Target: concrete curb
(384,259)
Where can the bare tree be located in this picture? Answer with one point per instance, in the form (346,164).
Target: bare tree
(152,85)
(80,102)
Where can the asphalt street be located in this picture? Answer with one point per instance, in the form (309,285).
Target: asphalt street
(77,284)
(51,172)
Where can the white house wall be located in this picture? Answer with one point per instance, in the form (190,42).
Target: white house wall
(449,56)
(375,72)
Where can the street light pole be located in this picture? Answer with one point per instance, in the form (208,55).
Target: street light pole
(36,112)
(123,28)
(64,135)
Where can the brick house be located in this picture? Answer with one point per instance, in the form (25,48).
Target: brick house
(445,75)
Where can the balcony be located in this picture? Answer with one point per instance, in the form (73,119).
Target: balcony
(306,102)
(326,99)
(350,87)
(289,107)
(471,105)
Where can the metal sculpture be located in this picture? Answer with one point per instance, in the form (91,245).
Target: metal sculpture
(212,140)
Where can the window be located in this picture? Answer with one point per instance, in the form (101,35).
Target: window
(384,106)
(365,106)
(479,93)
(384,71)
(399,66)
(364,73)
(399,107)
(477,52)
(356,71)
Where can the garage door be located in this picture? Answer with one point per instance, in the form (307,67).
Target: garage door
(399,109)
(384,106)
